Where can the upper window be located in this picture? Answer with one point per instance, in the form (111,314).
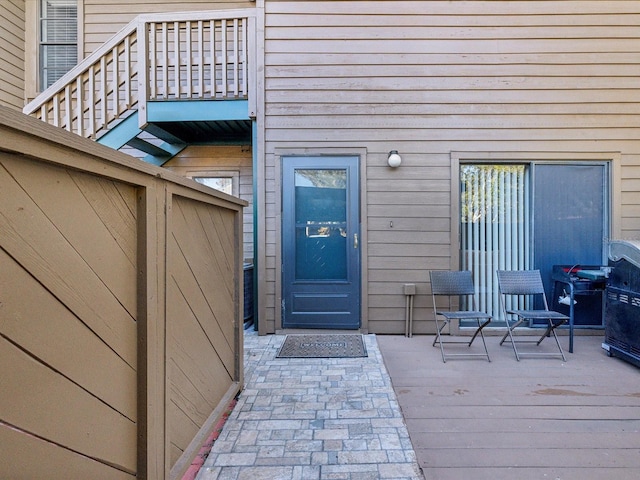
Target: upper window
(58,39)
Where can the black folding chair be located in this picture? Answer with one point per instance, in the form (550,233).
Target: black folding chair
(519,283)
(452,285)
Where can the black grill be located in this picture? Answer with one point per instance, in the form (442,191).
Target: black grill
(622,302)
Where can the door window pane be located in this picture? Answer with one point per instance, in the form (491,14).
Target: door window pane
(321,224)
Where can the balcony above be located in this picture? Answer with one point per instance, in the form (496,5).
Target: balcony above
(163,82)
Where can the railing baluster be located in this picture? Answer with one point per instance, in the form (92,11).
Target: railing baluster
(200,60)
(80,105)
(224,60)
(212,53)
(165,60)
(176,58)
(236,58)
(56,110)
(244,57)
(103,94)
(115,76)
(153,61)
(127,73)
(91,102)
(188,59)
(67,107)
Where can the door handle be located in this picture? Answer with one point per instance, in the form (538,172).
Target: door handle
(355,240)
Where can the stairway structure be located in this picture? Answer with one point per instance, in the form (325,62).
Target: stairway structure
(163,82)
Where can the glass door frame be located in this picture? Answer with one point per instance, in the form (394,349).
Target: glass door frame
(612,200)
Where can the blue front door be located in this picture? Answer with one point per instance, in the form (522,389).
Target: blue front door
(320,230)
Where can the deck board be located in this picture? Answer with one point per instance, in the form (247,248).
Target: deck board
(537,418)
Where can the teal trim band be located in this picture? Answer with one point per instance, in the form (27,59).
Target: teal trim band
(197,110)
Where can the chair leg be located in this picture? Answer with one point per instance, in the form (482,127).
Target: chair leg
(510,335)
(484,343)
(439,339)
(551,330)
(479,330)
(510,329)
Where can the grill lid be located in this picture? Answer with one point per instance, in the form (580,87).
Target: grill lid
(627,249)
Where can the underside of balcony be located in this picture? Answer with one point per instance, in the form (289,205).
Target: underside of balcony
(173,125)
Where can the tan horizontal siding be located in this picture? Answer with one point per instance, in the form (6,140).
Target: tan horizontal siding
(447,8)
(207,160)
(12,52)
(566,96)
(457,34)
(403,16)
(430,77)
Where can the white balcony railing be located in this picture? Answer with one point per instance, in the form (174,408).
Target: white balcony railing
(175,56)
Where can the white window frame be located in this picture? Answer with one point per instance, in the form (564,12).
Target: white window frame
(32,45)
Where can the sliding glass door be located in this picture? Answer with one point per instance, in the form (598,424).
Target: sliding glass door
(533,215)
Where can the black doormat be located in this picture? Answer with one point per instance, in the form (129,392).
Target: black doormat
(323,346)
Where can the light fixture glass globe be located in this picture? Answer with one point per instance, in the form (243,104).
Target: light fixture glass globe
(394,159)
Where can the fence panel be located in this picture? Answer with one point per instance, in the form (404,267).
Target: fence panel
(88,376)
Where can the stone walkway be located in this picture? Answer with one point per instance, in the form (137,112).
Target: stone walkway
(312,419)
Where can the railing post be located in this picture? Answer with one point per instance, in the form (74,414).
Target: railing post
(251,66)
(143,72)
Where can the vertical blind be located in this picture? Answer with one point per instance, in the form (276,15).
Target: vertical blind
(58,39)
(495,232)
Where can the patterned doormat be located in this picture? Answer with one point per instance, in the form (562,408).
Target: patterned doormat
(322,346)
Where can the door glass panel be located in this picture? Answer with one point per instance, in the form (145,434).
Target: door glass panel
(321,224)
(494,229)
(569,217)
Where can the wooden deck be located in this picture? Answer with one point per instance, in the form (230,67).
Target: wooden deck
(540,418)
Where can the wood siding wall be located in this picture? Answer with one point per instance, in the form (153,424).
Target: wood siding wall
(211,161)
(120,309)
(532,79)
(12,53)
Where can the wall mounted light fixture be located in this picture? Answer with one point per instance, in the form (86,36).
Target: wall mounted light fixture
(394,160)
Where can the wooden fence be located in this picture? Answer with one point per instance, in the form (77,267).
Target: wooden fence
(120,309)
